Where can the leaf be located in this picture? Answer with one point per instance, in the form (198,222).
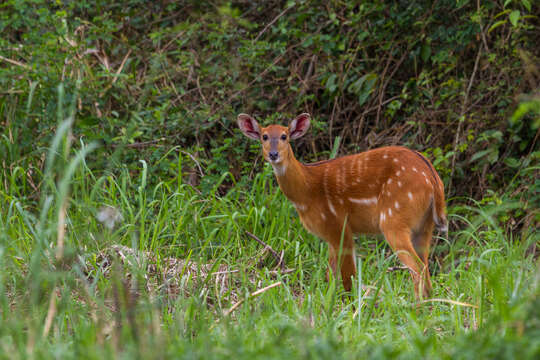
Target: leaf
(496,25)
(363,87)
(512,162)
(335,148)
(331,83)
(425,52)
(504,12)
(514,17)
(480,154)
(493,156)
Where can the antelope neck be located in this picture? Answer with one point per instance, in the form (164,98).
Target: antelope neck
(293,179)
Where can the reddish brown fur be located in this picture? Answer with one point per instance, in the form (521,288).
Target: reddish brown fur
(390,190)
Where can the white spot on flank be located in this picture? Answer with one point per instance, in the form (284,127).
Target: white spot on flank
(382,217)
(340,201)
(398,173)
(340,178)
(423,173)
(410,195)
(399,183)
(331,207)
(323,216)
(397,205)
(403,168)
(368,201)
(385,156)
(427,181)
(389,212)
(414,169)
(396,160)
(358,169)
(389,181)
(351,166)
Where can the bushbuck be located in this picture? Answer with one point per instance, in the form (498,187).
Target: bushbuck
(390,190)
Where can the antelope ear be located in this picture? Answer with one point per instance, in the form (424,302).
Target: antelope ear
(249,126)
(299,126)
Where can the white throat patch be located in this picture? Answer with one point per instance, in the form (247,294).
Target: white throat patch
(279,169)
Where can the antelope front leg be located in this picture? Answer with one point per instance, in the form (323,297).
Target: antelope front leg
(346,261)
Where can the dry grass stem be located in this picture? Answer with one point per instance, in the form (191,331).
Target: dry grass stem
(253,294)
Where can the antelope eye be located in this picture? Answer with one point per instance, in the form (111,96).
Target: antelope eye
(283,137)
(265,137)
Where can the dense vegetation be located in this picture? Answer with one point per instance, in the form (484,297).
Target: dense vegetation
(126,189)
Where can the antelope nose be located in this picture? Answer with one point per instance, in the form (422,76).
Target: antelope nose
(273,155)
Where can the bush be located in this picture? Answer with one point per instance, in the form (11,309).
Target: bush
(158,80)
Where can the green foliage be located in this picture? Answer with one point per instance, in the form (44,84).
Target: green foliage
(118,129)
(157,75)
(69,290)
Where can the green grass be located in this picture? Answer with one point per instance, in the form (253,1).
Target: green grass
(68,291)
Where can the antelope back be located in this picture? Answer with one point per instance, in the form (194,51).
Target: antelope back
(391,184)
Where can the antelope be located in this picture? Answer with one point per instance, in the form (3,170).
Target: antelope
(390,190)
